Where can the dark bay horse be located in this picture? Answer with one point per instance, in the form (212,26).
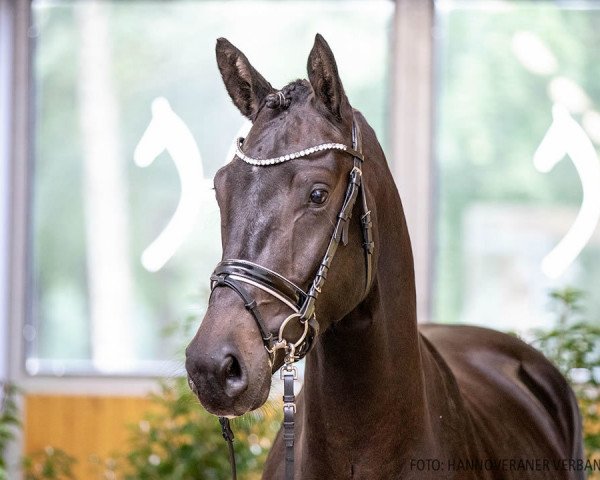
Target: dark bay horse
(383,397)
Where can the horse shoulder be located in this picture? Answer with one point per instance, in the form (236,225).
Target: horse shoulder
(513,395)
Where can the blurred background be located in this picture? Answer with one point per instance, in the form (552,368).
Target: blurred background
(113,120)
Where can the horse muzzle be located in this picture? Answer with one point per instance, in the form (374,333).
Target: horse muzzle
(229,378)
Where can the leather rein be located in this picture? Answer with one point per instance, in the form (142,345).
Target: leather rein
(236,274)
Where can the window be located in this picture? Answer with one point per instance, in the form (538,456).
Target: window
(131,121)
(517,155)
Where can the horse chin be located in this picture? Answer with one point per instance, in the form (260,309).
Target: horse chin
(261,395)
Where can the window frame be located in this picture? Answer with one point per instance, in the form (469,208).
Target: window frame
(412,136)
(6,59)
(410,161)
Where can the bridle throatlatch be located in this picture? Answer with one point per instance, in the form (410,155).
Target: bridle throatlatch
(235,274)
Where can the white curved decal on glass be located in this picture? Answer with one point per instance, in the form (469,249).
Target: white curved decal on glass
(566,137)
(168,132)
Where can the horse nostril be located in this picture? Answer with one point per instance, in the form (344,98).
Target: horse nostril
(231,368)
(232,377)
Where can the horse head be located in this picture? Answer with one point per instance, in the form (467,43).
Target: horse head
(282,216)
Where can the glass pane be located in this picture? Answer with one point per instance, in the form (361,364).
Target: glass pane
(519,173)
(131,123)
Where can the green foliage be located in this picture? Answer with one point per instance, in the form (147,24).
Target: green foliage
(573,342)
(49,464)
(574,346)
(9,422)
(178,440)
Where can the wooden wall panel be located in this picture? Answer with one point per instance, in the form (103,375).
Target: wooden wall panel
(83,426)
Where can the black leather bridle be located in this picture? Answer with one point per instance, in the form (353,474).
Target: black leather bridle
(236,274)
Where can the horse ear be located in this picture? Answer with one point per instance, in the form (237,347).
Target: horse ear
(246,87)
(325,80)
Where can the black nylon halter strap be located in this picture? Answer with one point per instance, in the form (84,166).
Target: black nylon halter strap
(233,273)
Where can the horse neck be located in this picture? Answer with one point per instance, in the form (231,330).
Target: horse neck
(367,370)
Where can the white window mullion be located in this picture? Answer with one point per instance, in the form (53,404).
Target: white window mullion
(411,134)
(19,142)
(5,107)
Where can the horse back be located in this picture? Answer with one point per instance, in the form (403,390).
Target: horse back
(518,403)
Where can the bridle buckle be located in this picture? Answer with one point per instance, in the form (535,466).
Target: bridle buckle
(288,369)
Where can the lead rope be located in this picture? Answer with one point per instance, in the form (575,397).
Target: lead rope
(288,373)
(228,436)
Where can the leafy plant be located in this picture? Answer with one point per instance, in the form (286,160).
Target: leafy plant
(574,346)
(179,440)
(49,464)
(9,422)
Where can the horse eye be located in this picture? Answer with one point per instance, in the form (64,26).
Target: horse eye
(319,196)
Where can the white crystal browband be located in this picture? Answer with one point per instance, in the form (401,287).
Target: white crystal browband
(290,156)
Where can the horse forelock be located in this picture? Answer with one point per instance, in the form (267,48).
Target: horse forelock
(298,90)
